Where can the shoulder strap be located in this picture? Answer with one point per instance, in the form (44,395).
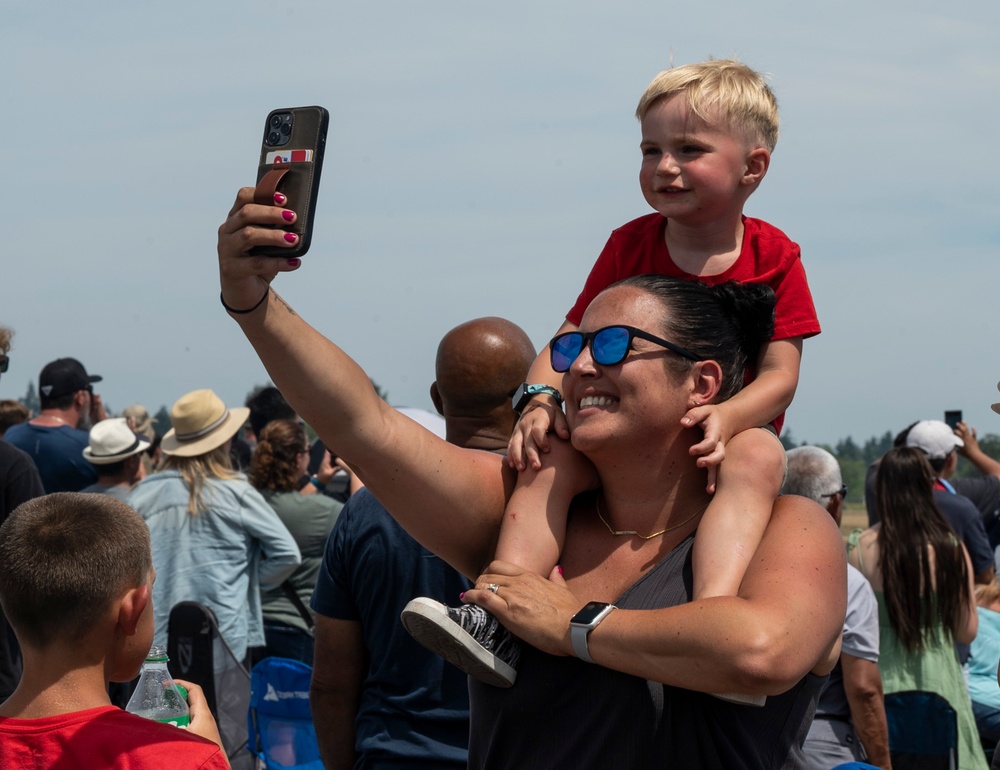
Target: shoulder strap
(853,540)
(296,601)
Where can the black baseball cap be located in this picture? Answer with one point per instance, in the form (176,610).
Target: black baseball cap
(64,376)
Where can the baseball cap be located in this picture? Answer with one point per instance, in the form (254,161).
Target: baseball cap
(64,376)
(935,438)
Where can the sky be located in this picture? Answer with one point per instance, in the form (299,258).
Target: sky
(479,155)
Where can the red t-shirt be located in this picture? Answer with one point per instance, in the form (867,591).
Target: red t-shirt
(104,738)
(767,256)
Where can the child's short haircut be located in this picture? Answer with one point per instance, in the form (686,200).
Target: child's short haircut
(740,95)
(64,558)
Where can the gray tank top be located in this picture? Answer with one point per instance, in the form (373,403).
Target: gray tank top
(566,714)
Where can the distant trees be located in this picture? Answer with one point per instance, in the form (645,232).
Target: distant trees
(854,460)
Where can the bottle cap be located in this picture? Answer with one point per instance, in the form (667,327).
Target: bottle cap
(157,654)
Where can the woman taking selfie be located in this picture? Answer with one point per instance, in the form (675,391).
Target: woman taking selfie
(624,686)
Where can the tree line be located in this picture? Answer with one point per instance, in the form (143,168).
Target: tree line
(854,460)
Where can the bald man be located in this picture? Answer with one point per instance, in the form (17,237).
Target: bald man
(379,698)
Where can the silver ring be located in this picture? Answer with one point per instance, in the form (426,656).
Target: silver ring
(493,587)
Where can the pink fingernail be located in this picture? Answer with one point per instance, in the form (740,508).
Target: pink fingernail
(461,595)
(280,199)
(560,569)
(287,215)
(294,262)
(291,237)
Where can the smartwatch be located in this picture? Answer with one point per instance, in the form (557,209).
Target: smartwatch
(585,621)
(524,393)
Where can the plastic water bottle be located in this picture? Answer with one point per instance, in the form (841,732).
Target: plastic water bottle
(157,696)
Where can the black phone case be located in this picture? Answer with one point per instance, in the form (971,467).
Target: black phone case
(299,181)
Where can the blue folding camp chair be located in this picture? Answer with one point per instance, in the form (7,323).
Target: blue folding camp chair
(279,721)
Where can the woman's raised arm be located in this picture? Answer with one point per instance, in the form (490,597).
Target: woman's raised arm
(449,499)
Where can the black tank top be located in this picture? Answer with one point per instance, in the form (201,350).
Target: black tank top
(564,714)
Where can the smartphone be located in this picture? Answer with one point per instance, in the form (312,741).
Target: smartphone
(291,159)
(953,417)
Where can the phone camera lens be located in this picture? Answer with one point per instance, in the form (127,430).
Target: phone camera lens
(275,121)
(286,129)
(273,137)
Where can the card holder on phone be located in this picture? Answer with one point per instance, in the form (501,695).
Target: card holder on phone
(291,160)
(294,181)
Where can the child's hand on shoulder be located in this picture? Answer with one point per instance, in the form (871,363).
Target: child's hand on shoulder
(712,447)
(530,438)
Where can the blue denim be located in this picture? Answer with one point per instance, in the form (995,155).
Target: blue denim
(286,642)
(988,722)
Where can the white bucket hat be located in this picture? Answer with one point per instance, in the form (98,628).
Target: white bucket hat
(201,423)
(112,441)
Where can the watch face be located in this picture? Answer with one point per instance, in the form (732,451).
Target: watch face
(589,613)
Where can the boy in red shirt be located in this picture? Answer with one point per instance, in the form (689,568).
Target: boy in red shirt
(708,131)
(76,577)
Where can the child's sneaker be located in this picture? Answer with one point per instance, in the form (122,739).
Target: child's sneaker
(468,637)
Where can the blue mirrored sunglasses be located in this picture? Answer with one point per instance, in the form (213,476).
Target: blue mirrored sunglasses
(609,346)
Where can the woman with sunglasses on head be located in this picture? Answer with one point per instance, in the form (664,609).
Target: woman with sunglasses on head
(618,661)
(923,579)
(279,463)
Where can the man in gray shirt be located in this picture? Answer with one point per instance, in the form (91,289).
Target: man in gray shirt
(850,723)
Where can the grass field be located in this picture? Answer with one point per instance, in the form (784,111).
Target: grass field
(855,517)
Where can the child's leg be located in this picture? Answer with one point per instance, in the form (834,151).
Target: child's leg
(532,535)
(749,481)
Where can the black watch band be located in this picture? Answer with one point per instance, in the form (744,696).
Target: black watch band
(525,393)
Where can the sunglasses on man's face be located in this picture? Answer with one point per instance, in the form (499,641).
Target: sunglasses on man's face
(609,346)
(4,363)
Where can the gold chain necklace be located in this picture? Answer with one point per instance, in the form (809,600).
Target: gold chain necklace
(621,532)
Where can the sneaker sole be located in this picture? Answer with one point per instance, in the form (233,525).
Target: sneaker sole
(427,621)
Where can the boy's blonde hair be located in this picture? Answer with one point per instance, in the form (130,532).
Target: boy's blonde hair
(721,88)
(64,558)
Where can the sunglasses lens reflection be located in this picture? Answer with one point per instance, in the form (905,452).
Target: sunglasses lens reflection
(610,345)
(565,349)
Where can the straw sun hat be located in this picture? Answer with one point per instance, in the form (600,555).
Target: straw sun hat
(201,423)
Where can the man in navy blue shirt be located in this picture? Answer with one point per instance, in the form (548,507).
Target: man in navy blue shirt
(56,438)
(380,699)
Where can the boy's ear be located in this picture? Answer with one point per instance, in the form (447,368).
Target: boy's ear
(757,162)
(707,381)
(133,603)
